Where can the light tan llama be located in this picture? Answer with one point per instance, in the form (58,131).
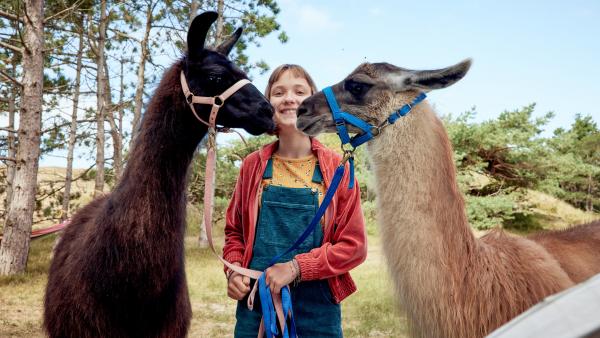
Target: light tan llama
(450,283)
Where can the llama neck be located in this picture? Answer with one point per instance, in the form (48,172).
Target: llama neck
(151,194)
(421,210)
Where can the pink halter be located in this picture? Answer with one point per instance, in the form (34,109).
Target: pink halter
(216,101)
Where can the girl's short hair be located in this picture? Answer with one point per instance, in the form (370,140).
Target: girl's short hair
(296,70)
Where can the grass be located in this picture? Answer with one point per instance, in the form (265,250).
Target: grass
(370,312)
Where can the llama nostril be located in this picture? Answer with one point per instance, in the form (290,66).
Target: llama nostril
(301,111)
(266,108)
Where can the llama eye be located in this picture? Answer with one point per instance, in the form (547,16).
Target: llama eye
(213,78)
(357,89)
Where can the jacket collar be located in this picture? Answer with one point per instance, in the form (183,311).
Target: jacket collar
(267,151)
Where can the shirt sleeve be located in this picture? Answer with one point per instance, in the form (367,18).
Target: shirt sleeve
(347,247)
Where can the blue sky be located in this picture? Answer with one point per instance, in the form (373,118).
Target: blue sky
(547,52)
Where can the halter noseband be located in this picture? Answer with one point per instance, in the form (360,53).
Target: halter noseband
(369,131)
(216,101)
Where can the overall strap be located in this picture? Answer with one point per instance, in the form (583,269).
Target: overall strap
(317,175)
(268,170)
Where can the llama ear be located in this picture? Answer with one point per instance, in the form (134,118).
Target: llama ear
(426,80)
(198,32)
(226,46)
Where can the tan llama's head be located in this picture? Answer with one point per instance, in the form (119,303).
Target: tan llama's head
(372,92)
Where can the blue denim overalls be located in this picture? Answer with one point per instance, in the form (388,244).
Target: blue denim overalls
(284,214)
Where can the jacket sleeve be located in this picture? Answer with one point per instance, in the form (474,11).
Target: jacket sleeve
(233,250)
(347,247)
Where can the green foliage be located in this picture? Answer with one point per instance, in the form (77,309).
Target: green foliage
(575,164)
(487,212)
(259,19)
(499,159)
(369,209)
(508,148)
(229,158)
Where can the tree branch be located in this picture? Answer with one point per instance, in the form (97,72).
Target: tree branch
(2,158)
(59,126)
(118,32)
(15,81)
(11,47)
(9,16)
(10,130)
(55,190)
(52,17)
(170,27)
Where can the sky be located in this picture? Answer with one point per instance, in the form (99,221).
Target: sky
(543,52)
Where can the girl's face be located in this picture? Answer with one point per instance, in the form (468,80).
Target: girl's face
(286,95)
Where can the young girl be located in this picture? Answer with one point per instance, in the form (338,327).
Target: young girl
(278,191)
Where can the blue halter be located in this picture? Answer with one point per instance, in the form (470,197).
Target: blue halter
(369,131)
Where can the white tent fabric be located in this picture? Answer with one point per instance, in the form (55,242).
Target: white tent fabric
(574,312)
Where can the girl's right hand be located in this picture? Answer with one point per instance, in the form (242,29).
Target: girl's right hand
(238,286)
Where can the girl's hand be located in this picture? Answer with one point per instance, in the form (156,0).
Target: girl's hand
(280,275)
(238,285)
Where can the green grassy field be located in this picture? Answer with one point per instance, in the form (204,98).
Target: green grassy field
(368,313)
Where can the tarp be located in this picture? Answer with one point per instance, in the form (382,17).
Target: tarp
(574,312)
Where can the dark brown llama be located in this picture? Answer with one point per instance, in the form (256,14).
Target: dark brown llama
(450,283)
(119,269)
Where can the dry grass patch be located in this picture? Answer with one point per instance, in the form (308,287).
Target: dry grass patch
(368,313)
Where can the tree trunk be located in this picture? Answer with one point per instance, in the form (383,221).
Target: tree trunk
(115,132)
(12,150)
(72,131)
(193,11)
(120,113)
(203,239)
(14,247)
(101,78)
(589,205)
(139,89)
(220,20)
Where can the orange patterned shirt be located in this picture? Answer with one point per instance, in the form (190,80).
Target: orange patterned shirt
(295,173)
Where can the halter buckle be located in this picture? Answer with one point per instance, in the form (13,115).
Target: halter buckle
(189,98)
(218,101)
(348,154)
(375,131)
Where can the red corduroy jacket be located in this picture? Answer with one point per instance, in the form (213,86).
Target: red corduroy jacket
(344,242)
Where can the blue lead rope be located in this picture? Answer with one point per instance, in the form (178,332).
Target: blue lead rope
(341,118)
(269,315)
(266,300)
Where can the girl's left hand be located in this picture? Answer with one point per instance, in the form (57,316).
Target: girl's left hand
(280,275)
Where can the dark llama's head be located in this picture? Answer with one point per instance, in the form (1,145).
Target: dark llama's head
(210,73)
(372,92)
